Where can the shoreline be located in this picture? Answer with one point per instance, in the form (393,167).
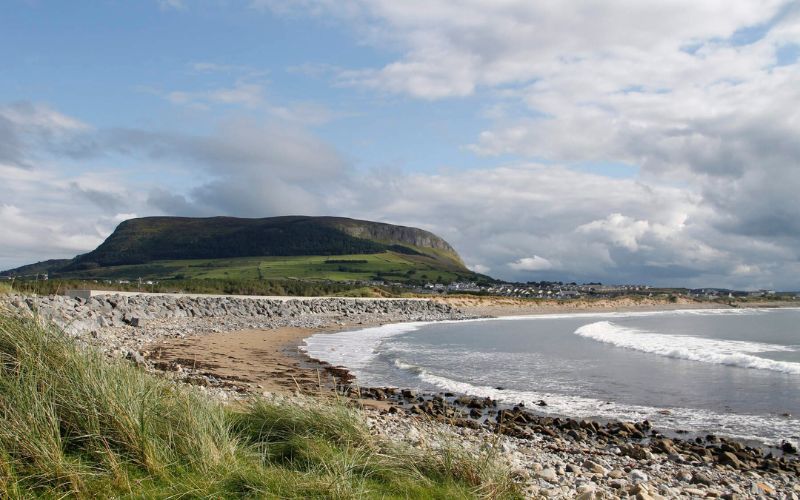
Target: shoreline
(452,396)
(298,371)
(279,351)
(553,457)
(608,446)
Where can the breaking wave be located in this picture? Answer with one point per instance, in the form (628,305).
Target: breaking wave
(353,349)
(721,352)
(370,356)
(742,426)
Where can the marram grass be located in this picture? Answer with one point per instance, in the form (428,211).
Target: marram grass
(75,425)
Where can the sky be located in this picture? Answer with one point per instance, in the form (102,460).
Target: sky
(615,141)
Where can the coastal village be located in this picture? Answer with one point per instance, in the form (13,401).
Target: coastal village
(552,290)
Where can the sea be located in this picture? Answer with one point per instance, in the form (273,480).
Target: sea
(729,372)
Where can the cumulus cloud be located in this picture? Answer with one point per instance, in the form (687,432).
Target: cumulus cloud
(534,263)
(27,129)
(521,220)
(480,268)
(620,230)
(244,167)
(549,222)
(450,48)
(70,214)
(694,94)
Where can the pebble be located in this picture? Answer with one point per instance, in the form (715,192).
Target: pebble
(548,475)
(637,476)
(594,467)
(546,466)
(616,474)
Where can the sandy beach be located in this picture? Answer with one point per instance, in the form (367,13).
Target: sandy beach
(238,349)
(561,458)
(270,360)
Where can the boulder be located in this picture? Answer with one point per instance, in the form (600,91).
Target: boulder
(701,478)
(728,458)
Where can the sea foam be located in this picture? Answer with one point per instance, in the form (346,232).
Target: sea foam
(353,349)
(357,349)
(722,352)
(761,428)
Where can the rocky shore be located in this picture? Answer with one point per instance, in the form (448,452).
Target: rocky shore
(553,457)
(568,458)
(122,325)
(556,466)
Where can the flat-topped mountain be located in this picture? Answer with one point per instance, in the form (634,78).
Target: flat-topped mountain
(152,240)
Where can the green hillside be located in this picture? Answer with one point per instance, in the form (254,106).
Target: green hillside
(293,247)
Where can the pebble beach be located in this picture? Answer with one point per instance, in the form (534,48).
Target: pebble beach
(550,457)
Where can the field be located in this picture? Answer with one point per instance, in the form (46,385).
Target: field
(386,266)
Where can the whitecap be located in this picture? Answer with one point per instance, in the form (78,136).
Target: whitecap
(762,428)
(722,352)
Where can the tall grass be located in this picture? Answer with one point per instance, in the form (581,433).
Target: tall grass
(75,424)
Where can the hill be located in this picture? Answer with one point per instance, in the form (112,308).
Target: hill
(329,248)
(33,270)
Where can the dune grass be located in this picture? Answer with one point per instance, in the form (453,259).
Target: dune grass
(74,424)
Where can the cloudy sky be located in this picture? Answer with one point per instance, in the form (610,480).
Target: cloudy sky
(619,141)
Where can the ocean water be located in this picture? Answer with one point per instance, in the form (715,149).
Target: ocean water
(733,372)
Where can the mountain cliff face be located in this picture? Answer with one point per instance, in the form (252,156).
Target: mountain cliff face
(403,235)
(138,241)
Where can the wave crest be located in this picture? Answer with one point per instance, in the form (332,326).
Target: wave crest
(721,352)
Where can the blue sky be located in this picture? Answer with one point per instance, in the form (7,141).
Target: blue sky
(111,64)
(600,140)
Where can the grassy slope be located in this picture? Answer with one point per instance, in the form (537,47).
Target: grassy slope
(395,266)
(75,424)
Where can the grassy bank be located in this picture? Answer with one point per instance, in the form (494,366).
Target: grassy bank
(389,266)
(74,424)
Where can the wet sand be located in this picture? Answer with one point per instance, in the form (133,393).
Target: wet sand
(260,360)
(269,360)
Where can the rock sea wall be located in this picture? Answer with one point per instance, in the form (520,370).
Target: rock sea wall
(119,324)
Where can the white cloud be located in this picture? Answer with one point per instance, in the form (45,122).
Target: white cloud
(620,230)
(450,48)
(479,268)
(60,223)
(27,129)
(41,118)
(521,220)
(534,263)
(247,94)
(687,90)
(171,4)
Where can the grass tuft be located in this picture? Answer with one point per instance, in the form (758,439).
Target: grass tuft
(75,424)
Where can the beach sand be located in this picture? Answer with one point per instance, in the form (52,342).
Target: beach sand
(270,360)
(262,360)
(552,458)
